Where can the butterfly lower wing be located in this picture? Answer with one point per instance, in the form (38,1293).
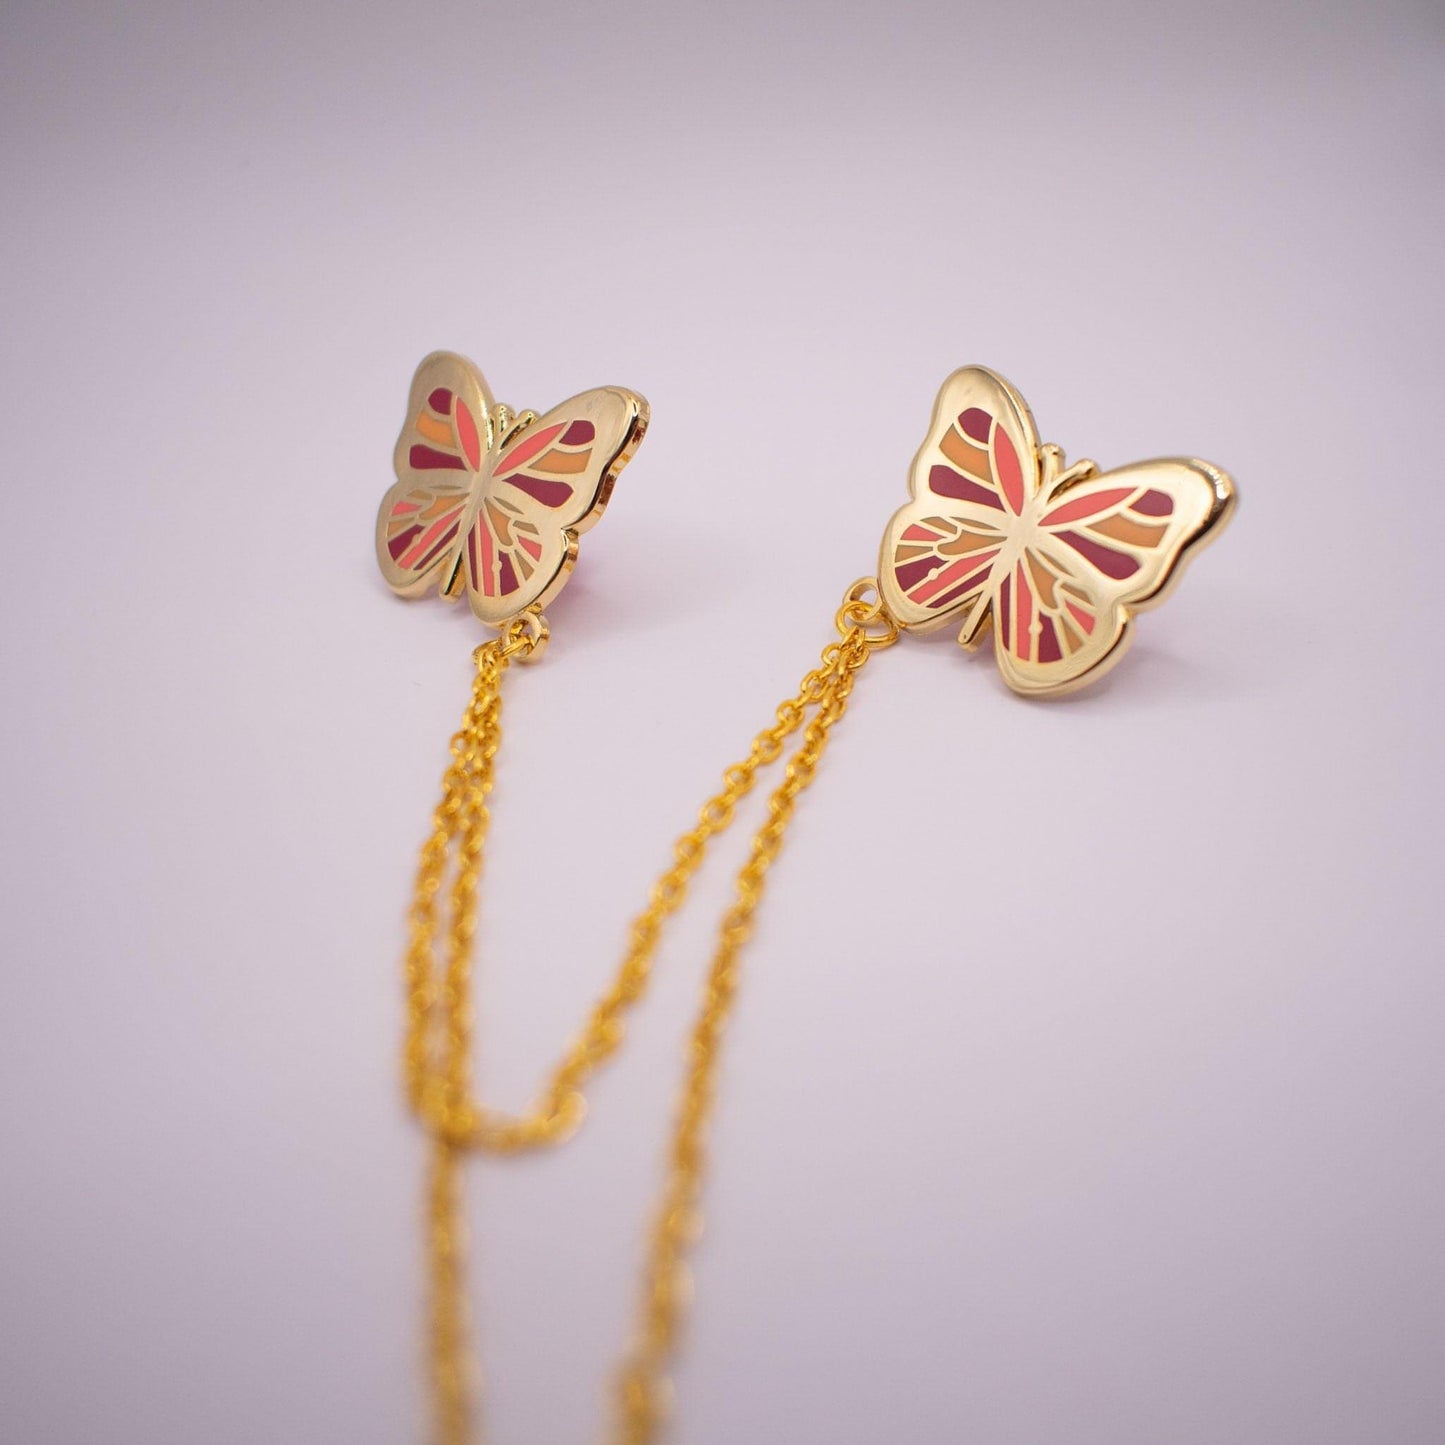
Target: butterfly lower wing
(972,479)
(1099,551)
(439,461)
(513,562)
(937,561)
(548,484)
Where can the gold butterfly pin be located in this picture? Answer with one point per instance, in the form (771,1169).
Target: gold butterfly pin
(490,502)
(1057,560)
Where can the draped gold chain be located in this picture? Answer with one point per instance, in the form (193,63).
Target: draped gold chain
(438,1045)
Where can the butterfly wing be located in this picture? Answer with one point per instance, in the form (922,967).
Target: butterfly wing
(972,480)
(439,461)
(1096,552)
(548,484)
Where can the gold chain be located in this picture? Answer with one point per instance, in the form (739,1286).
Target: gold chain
(642,1386)
(439,1031)
(463,814)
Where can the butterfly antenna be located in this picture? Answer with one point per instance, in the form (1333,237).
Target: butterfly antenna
(1051,460)
(507,425)
(1081,471)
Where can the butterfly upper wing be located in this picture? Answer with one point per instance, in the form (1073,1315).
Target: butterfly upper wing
(439,460)
(974,477)
(1097,551)
(548,484)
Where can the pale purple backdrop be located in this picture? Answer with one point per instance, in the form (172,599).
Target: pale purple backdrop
(1087,1082)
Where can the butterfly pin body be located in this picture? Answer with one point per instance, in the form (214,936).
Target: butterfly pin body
(490,503)
(1001,536)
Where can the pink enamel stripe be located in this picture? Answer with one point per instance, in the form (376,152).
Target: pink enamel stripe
(1081,507)
(467,434)
(1084,619)
(1024,601)
(955,571)
(918,533)
(403,507)
(1006,467)
(526,449)
(533,549)
(489,563)
(419,549)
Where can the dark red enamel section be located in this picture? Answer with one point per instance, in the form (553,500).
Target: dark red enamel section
(1111,563)
(974,424)
(1153,504)
(578,434)
(440,401)
(399,543)
(550,494)
(949,483)
(910,574)
(428,459)
(1049,649)
(440,546)
(507,575)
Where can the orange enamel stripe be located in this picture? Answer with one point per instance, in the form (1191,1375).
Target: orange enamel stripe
(436,431)
(1043,579)
(501,525)
(965,456)
(562,463)
(1135,534)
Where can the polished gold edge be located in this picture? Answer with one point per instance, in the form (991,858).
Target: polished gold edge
(632,439)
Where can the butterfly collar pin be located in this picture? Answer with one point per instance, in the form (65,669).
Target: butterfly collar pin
(1055,560)
(491,503)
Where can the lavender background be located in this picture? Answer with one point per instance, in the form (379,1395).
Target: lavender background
(1087,1080)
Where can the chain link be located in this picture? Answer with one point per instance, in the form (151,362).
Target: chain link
(438,1045)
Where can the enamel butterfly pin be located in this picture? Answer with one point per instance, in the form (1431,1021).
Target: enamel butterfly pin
(491,503)
(1056,560)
